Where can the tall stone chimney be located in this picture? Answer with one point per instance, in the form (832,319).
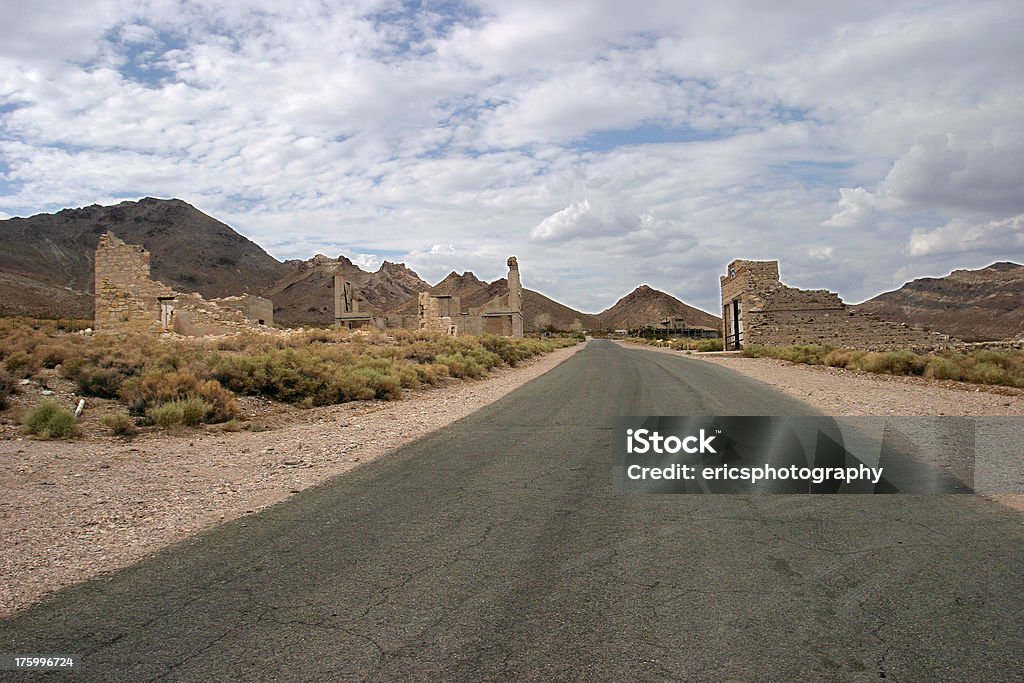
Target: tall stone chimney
(515,287)
(339,303)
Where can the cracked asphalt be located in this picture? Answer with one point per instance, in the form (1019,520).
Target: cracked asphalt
(494,550)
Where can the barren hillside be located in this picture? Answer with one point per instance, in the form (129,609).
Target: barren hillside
(973,305)
(648,306)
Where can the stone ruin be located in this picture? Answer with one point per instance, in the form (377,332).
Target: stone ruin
(501,315)
(129,301)
(758,310)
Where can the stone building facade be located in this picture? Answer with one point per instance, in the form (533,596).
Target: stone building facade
(129,301)
(758,310)
(501,315)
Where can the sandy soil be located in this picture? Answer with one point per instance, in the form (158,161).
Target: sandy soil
(72,510)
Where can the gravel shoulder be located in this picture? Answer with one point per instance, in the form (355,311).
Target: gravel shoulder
(73,510)
(841,392)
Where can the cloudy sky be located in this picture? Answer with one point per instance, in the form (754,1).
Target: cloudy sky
(604,143)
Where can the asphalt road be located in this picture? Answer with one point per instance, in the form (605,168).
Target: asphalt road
(494,550)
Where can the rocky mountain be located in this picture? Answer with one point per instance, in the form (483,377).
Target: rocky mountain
(306,293)
(648,306)
(973,305)
(46,263)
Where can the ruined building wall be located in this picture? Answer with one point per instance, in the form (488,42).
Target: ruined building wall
(253,308)
(773,314)
(430,317)
(127,300)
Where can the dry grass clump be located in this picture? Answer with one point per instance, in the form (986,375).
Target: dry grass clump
(49,420)
(119,424)
(1005,368)
(8,386)
(182,412)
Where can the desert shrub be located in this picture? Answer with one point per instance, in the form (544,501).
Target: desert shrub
(171,387)
(986,372)
(980,367)
(119,424)
(8,386)
(154,388)
(430,374)
(459,365)
(221,403)
(893,363)
(22,363)
(289,375)
(187,412)
(705,345)
(99,382)
(382,383)
(101,368)
(49,420)
(505,348)
(52,355)
(843,358)
(940,367)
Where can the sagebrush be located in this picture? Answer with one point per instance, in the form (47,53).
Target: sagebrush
(165,381)
(50,420)
(1003,368)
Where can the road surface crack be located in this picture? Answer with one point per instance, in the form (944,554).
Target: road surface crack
(207,646)
(384,594)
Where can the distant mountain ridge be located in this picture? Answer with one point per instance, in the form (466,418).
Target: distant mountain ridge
(46,270)
(973,305)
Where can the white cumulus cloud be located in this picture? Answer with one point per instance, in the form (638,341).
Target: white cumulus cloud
(996,239)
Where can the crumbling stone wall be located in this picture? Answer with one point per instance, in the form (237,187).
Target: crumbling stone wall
(430,317)
(253,308)
(766,312)
(127,300)
(194,316)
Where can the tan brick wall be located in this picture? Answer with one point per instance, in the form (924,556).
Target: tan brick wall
(773,314)
(430,317)
(254,308)
(127,300)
